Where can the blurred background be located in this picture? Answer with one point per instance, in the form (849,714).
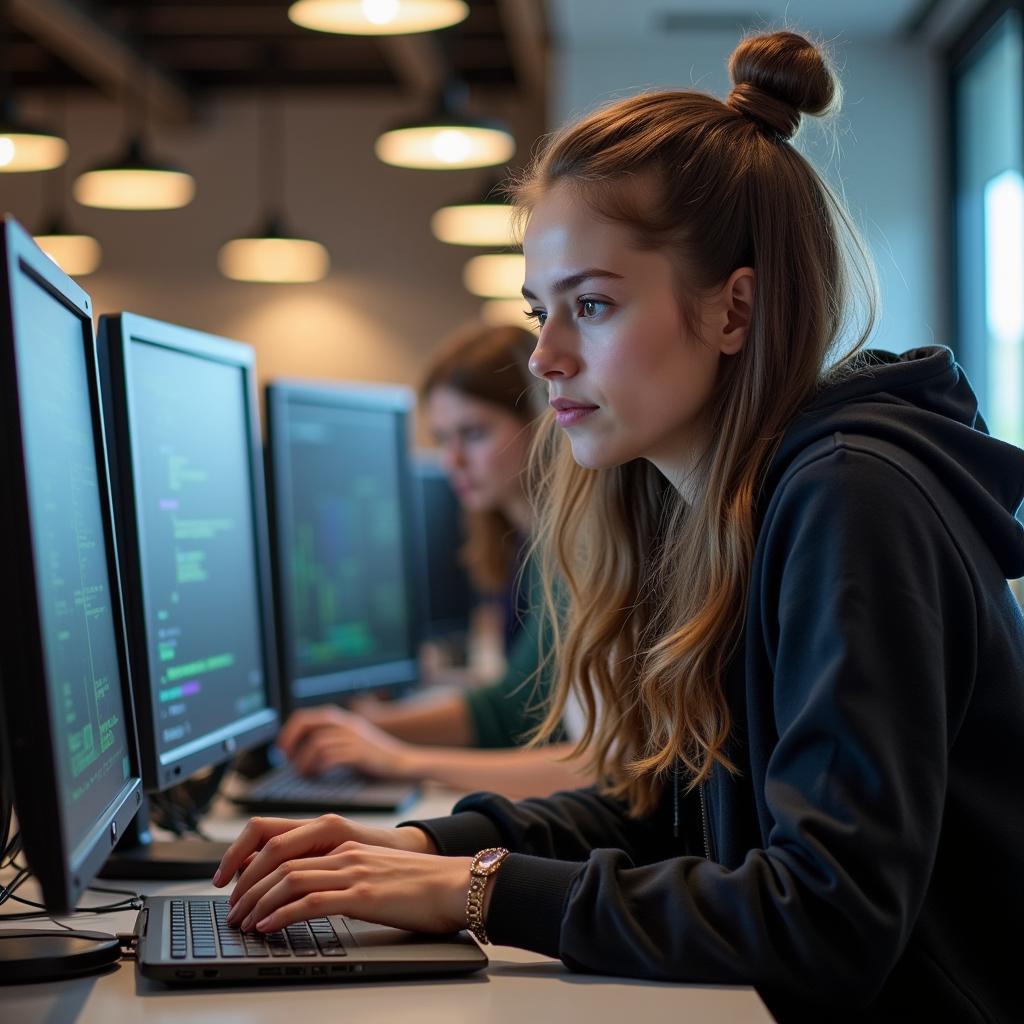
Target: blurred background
(277,121)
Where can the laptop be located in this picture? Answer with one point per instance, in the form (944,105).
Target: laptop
(186,940)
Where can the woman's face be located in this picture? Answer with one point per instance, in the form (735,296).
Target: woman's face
(484,448)
(625,376)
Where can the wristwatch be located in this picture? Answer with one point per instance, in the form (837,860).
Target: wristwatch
(485,863)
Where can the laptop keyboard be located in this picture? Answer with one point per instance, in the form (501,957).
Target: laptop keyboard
(286,785)
(199,930)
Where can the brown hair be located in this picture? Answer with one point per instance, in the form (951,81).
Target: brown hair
(654,589)
(489,364)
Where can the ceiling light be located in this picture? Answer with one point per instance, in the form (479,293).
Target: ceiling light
(505,312)
(486,221)
(377,17)
(25,148)
(272,256)
(495,275)
(76,255)
(449,137)
(135,183)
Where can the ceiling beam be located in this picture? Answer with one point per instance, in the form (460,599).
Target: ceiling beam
(523,21)
(100,55)
(417,63)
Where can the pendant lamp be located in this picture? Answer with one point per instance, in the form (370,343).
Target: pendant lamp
(377,17)
(495,275)
(272,254)
(448,138)
(484,220)
(135,182)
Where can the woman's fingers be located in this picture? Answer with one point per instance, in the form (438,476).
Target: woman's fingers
(303,722)
(323,750)
(242,908)
(310,839)
(249,842)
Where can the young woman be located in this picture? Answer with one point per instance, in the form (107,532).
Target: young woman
(481,405)
(786,571)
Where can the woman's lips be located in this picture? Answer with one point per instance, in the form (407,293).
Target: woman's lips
(570,416)
(568,413)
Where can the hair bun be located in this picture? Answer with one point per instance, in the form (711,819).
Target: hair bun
(778,77)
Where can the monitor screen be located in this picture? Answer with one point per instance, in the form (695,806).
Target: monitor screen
(188,446)
(447,595)
(343,538)
(73,631)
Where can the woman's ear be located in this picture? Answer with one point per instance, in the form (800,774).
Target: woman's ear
(735,306)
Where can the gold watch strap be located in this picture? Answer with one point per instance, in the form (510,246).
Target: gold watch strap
(485,864)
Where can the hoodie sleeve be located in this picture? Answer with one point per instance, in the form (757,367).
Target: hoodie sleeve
(869,626)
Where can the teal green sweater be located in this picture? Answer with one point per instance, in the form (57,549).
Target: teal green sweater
(506,712)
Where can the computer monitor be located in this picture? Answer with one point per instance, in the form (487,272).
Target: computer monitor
(66,721)
(190,511)
(343,528)
(447,597)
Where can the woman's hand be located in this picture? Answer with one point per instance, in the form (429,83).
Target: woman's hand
(317,739)
(266,843)
(414,891)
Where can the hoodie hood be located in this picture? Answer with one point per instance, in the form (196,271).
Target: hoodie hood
(922,402)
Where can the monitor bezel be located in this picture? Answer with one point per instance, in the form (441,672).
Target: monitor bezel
(117,333)
(64,868)
(399,402)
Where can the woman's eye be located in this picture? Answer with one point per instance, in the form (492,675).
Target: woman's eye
(591,307)
(538,316)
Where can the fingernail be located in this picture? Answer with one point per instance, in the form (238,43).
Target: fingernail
(264,924)
(217,880)
(247,924)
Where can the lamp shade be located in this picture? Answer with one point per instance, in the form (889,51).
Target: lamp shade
(273,256)
(495,275)
(482,223)
(377,17)
(75,254)
(445,143)
(502,312)
(23,148)
(135,183)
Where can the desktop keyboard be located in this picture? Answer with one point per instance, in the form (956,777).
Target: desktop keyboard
(339,789)
(287,785)
(200,930)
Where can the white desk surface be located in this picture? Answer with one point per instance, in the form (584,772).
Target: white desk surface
(516,988)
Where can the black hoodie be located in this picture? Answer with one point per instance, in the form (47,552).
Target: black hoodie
(867,861)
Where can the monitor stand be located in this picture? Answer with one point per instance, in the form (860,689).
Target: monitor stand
(32,954)
(139,856)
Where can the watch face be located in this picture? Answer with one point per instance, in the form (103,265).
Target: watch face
(488,860)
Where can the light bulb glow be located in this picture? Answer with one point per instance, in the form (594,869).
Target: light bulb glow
(438,147)
(131,188)
(377,17)
(29,151)
(495,275)
(274,260)
(380,12)
(486,224)
(76,255)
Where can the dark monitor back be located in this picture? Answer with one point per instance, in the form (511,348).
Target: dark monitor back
(66,721)
(191,513)
(343,538)
(447,596)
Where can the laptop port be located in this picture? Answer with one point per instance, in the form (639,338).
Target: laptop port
(295,971)
(340,968)
(184,974)
(210,972)
(270,972)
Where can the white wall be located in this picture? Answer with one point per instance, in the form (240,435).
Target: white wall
(887,148)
